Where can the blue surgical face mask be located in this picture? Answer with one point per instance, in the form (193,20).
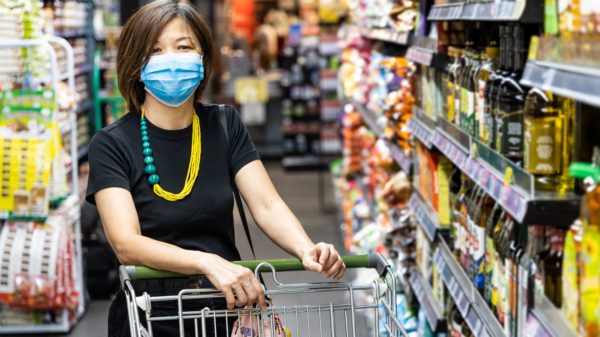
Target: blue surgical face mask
(172,78)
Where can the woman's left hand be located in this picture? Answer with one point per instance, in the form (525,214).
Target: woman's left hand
(323,258)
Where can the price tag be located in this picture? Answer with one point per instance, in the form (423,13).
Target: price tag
(497,188)
(485,181)
(462,303)
(474,322)
(533,48)
(508,175)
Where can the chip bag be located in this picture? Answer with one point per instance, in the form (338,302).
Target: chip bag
(247,326)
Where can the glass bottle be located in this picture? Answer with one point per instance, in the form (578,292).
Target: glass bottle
(449,78)
(544,148)
(457,215)
(492,220)
(466,98)
(494,85)
(485,76)
(457,86)
(479,242)
(511,101)
(552,265)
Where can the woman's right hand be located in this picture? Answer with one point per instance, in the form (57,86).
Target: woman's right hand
(237,283)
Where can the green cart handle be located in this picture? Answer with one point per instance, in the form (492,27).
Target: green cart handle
(375,261)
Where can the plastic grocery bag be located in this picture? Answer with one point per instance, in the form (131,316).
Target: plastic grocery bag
(247,326)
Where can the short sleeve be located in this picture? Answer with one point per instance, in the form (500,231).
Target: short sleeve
(108,165)
(242,150)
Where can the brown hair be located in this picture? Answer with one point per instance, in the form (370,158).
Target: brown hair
(137,41)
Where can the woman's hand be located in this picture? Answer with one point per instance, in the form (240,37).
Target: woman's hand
(237,283)
(323,258)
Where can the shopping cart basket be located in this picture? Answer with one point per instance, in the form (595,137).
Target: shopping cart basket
(376,300)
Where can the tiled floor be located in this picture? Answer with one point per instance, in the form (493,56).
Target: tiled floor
(300,192)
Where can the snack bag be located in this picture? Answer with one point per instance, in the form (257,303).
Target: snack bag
(247,326)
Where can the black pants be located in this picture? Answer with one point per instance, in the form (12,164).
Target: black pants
(118,321)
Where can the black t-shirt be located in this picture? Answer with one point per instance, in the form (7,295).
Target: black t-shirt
(204,219)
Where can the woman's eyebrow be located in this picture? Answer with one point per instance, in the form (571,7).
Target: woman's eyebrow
(183,38)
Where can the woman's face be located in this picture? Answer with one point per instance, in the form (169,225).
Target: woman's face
(176,37)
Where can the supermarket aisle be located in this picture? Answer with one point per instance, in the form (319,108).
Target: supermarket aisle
(300,192)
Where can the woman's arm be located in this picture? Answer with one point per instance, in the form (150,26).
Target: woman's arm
(122,228)
(279,223)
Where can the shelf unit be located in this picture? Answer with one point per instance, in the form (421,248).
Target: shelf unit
(386,35)
(551,319)
(519,10)
(462,150)
(65,324)
(424,294)
(508,184)
(401,157)
(576,82)
(423,50)
(425,215)
(469,302)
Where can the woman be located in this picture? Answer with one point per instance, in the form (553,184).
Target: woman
(169,142)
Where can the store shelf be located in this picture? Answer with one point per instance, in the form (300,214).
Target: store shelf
(469,302)
(386,35)
(505,182)
(73,33)
(421,131)
(519,10)
(370,118)
(307,162)
(424,294)
(426,216)
(84,106)
(420,55)
(401,157)
(84,69)
(577,82)
(551,320)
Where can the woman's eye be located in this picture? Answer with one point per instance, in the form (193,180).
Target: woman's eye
(185,47)
(156,50)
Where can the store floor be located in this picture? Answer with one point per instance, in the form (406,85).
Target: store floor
(299,189)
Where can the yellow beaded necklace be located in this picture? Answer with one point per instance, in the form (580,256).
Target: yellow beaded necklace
(193,167)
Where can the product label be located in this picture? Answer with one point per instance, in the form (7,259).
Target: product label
(457,110)
(480,117)
(464,107)
(470,123)
(570,284)
(451,107)
(511,133)
(590,280)
(456,330)
(541,151)
(488,266)
(478,244)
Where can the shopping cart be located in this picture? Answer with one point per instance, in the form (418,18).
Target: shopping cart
(376,300)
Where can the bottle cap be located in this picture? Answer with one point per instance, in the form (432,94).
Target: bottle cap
(584,170)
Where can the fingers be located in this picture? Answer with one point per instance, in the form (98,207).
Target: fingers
(241,299)
(310,261)
(340,273)
(324,252)
(229,298)
(262,302)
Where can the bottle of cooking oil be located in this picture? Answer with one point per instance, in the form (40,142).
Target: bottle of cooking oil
(452,72)
(485,74)
(547,135)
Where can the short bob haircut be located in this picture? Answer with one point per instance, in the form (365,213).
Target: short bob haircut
(137,41)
